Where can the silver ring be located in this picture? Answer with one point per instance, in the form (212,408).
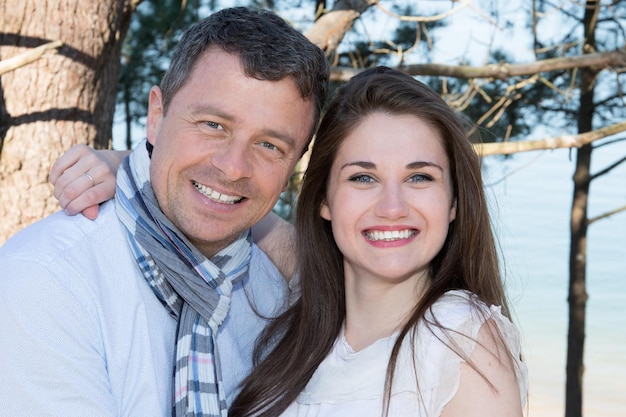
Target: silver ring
(86,174)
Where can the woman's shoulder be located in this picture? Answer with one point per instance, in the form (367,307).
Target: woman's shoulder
(464,312)
(448,336)
(457,317)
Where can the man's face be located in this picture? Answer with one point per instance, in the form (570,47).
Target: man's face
(225,149)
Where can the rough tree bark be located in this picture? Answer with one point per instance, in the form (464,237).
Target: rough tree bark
(57,101)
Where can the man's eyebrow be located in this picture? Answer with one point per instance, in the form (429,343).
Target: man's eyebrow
(283,137)
(201,109)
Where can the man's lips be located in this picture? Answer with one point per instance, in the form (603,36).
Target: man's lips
(217,196)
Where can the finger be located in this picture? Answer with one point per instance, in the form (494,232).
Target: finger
(78,186)
(65,161)
(86,173)
(90,197)
(91,212)
(71,177)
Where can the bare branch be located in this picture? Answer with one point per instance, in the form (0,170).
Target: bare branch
(605,215)
(422,19)
(608,169)
(503,71)
(567,141)
(26,58)
(329,30)
(509,96)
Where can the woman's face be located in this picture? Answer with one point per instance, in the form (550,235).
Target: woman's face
(390,198)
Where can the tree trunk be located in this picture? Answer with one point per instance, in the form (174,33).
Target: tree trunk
(57,101)
(577,286)
(578,243)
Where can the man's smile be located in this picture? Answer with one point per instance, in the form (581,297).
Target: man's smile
(217,196)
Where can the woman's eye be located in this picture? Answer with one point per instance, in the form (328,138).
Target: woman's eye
(361,178)
(420,178)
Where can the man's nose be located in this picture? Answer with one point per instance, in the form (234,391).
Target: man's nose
(234,160)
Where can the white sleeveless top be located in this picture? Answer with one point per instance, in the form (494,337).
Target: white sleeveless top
(351,384)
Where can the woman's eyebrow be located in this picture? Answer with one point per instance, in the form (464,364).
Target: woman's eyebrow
(361,164)
(422,164)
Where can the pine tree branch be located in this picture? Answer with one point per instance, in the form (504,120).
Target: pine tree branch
(27,57)
(605,215)
(503,70)
(566,141)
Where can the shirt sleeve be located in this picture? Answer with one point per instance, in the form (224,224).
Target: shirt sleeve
(52,360)
(441,366)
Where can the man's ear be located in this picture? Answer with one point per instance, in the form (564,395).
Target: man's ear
(155,114)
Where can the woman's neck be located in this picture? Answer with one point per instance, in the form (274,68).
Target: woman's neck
(375,310)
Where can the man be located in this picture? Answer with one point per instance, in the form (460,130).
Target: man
(97,316)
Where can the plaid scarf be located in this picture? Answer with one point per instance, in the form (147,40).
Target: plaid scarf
(195,290)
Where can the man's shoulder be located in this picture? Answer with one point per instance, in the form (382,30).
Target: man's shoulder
(263,269)
(70,257)
(64,244)
(59,232)
(264,287)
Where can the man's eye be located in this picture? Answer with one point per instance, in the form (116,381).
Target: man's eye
(361,178)
(213,125)
(269,146)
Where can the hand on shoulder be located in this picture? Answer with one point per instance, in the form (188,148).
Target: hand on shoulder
(84,177)
(275,237)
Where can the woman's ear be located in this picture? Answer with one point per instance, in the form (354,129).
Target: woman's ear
(453,211)
(325,211)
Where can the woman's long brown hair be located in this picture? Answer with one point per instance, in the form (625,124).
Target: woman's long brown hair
(294,344)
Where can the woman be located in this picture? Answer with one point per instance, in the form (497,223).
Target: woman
(398,268)
(402,309)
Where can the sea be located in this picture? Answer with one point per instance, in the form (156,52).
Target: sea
(530,197)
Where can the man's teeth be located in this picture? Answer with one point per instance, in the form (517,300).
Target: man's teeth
(390,235)
(215,196)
